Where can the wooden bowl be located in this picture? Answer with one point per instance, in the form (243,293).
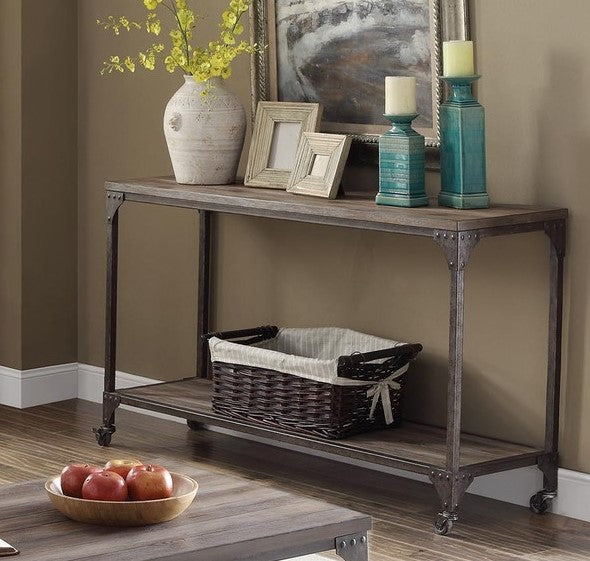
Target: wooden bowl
(129,513)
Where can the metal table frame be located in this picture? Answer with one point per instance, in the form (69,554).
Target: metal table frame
(451,482)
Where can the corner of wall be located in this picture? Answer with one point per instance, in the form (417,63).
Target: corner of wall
(10,180)
(49,183)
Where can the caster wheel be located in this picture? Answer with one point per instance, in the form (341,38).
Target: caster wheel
(194,425)
(443,525)
(539,502)
(103,435)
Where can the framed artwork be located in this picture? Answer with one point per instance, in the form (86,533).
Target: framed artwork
(278,129)
(338,52)
(320,162)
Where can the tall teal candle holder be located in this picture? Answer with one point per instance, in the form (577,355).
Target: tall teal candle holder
(463,148)
(401,164)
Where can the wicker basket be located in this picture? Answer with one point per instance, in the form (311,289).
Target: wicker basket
(297,404)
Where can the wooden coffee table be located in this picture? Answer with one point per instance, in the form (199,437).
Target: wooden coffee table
(231,519)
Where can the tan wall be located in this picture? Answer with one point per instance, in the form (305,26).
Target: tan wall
(10,170)
(49,248)
(38,152)
(534,59)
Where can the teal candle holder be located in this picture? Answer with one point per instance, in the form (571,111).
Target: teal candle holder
(463,148)
(401,164)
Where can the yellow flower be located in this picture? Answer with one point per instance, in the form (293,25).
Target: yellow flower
(176,37)
(228,38)
(170,63)
(130,64)
(214,59)
(229,19)
(153,24)
(152,4)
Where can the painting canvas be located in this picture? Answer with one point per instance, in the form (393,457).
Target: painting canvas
(338,53)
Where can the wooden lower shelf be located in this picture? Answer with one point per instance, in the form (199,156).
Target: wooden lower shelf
(413,447)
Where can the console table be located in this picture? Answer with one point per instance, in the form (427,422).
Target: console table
(450,458)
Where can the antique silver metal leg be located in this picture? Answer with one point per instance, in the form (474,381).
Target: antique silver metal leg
(353,547)
(455,380)
(104,433)
(450,489)
(203,295)
(540,501)
(450,484)
(549,464)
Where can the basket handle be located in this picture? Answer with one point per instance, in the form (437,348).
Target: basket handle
(410,351)
(246,336)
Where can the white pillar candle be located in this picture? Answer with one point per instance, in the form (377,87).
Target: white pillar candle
(400,95)
(458,58)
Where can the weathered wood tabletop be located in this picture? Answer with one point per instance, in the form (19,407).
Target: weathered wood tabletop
(231,520)
(350,211)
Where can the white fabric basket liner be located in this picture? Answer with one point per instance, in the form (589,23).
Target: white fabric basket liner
(310,353)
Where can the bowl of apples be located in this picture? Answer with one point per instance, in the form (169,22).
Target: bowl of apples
(122,493)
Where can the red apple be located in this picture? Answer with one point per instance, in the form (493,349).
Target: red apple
(122,467)
(73,477)
(104,486)
(146,483)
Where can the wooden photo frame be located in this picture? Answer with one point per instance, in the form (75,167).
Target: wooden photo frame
(320,163)
(278,129)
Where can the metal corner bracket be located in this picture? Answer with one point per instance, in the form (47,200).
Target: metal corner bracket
(114,201)
(110,404)
(450,488)
(353,547)
(457,246)
(556,232)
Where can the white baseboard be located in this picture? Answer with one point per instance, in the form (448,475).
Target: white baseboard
(91,383)
(56,383)
(27,388)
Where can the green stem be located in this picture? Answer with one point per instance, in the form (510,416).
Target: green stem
(174,11)
(238,18)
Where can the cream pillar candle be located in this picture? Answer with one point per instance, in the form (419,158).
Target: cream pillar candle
(400,95)
(458,58)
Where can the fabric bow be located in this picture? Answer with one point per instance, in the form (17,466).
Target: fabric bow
(380,390)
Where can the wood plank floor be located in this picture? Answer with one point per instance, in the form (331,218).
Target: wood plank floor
(37,442)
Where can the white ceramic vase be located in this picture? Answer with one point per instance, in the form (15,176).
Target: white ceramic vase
(205,134)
